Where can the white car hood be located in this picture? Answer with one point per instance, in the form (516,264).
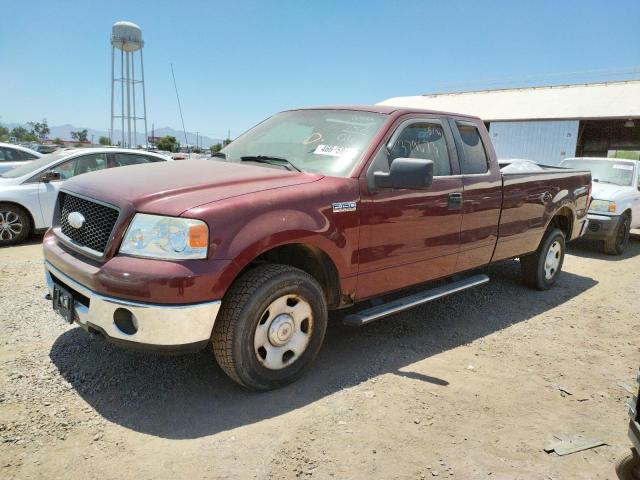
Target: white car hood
(6,182)
(607,191)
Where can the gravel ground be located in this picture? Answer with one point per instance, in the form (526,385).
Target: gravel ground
(468,387)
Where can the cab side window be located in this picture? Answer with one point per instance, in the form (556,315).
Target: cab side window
(7,155)
(474,156)
(425,141)
(78,166)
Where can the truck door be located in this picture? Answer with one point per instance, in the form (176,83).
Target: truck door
(410,236)
(482,194)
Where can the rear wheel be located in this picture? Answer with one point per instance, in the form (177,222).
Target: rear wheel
(15,225)
(617,243)
(541,269)
(628,468)
(271,326)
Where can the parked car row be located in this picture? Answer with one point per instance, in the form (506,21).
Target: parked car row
(28,192)
(370,200)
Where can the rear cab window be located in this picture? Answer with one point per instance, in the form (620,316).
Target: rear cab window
(471,150)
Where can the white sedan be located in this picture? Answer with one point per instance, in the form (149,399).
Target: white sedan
(12,156)
(28,193)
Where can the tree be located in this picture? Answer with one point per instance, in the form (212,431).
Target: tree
(58,141)
(215,148)
(4,134)
(23,135)
(104,141)
(40,129)
(226,142)
(168,143)
(80,135)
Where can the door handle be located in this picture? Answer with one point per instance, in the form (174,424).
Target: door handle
(455,201)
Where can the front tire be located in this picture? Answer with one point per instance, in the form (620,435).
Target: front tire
(15,224)
(540,270)
(271,326)
(617,243)
(628,468)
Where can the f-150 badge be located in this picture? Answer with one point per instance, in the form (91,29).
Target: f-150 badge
(344,207)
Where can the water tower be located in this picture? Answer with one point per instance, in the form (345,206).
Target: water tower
(127,38)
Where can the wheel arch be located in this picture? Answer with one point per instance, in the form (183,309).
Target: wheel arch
(563,220)
(306,257)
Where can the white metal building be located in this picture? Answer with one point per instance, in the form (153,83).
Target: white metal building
(548,124)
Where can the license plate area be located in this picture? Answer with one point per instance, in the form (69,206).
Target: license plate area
(63,303)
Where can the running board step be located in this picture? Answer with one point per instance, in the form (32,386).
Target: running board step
(380,311)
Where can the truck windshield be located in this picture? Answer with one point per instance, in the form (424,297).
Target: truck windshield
(329,142)
(605,171)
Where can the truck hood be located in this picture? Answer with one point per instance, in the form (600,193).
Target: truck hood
(607,191)
(171,188)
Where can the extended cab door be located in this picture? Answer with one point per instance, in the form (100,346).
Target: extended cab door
(481,196)
(410,236)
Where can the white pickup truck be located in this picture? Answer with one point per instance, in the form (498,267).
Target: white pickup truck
(615,199)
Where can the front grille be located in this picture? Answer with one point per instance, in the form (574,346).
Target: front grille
(594,227)
(98,224)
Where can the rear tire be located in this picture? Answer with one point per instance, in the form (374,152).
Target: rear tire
(628,468)
(541,269)
(617,243)
(15,224)
(270,327)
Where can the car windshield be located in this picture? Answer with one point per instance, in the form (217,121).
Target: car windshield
(34,166)
(605,171)
(329,142)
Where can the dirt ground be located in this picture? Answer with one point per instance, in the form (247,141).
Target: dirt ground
(468,387)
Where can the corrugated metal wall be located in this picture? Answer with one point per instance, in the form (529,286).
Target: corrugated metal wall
(546,142)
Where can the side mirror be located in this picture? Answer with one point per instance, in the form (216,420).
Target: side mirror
(406,173)
(50,176)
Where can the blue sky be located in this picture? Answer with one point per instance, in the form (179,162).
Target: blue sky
(237,62)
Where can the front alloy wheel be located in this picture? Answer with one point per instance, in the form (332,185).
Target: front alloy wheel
(14,224)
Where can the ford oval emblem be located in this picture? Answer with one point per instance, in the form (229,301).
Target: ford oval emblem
(75,219)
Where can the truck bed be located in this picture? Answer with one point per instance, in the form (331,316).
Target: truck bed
(529,200)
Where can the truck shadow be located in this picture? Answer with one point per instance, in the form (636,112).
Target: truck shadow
(185,397)
(593,249)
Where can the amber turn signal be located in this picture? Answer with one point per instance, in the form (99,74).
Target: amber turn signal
(198,236)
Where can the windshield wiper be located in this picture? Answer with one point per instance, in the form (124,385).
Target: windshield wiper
(271,161)
(605,181)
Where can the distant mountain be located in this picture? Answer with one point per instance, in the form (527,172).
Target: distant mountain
(64,132)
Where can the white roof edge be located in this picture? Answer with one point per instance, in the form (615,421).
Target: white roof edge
(609,100)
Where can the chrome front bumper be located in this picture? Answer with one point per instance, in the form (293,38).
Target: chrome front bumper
(158,326)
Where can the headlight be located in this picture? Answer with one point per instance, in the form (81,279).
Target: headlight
(602,206)
(168,238)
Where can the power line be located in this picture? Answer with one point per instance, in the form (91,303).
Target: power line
(180,109)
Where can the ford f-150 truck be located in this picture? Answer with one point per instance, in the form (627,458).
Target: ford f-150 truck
(311,210)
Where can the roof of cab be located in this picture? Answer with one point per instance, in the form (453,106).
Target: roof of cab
(385,110)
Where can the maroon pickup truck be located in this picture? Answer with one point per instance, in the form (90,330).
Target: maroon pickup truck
(311,210)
